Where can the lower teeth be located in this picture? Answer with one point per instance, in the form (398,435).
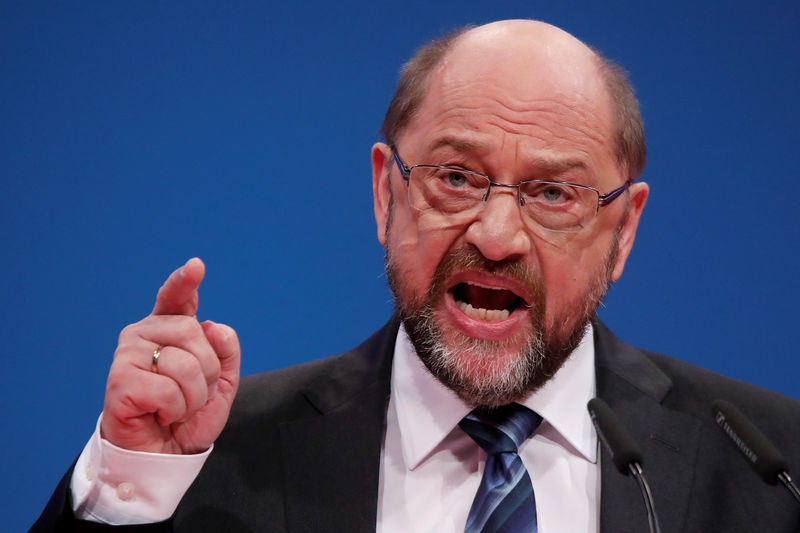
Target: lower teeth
(488,315)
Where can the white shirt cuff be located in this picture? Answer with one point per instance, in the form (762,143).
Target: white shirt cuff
(120,487)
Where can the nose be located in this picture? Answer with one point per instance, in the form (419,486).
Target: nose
(498,230)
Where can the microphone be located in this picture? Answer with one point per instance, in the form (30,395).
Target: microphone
(625,453)
(756,448)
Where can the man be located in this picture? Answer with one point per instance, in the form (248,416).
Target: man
(506,200)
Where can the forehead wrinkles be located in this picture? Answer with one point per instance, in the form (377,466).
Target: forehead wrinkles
(478,107)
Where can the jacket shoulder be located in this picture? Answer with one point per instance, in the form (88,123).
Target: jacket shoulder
(678,384)
(628,374)
(315,386)
(695,388)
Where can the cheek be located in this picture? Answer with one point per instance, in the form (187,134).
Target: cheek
(567,271)
(417,245)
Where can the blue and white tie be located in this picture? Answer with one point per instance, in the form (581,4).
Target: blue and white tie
(505,501)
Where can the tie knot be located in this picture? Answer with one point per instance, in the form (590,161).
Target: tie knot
(501,429)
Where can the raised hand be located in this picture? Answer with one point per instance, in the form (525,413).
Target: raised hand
(180,404)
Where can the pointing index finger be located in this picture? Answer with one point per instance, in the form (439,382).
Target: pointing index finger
(178,295)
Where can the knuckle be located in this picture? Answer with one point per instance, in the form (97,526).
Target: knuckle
(198,399)
(188,367)
(127,331)
(132,330)
(214,371)
(121,387)
(117,369)
(161,290)
(173,396)
(186,327)
(122,353)
(113,384)
(230,332)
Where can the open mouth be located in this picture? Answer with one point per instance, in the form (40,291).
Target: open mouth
(485,303)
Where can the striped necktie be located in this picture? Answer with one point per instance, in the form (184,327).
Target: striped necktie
(505,501)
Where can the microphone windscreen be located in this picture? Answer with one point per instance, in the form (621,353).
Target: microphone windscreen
(754,445)
(620,444)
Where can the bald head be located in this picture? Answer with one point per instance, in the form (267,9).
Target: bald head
(514,47)
(527,58)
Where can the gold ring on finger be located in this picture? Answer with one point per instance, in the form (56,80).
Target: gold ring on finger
(154,363)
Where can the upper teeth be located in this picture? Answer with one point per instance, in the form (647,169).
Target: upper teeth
(489,315)
(484,286)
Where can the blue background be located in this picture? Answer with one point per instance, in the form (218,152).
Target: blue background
(138,134)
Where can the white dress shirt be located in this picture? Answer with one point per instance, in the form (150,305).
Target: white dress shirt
(430,468)
(117,486)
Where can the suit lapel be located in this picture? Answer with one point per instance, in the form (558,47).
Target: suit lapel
(332,458)
(634,387)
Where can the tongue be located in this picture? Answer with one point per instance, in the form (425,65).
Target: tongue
(480,297)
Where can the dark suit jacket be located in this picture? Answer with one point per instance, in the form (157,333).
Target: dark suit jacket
(301,451)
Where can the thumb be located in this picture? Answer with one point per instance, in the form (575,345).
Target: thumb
(225,342)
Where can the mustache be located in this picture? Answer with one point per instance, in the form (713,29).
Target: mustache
(468,257)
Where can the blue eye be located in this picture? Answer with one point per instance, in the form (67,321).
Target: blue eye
(552,194)
(456,179)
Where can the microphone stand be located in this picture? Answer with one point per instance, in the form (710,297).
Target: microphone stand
(638,474)
(787,480)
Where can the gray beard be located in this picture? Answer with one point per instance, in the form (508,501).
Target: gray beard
(476,369)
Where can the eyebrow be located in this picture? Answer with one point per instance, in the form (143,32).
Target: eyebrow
(548,166)
(460,144)
(557,166)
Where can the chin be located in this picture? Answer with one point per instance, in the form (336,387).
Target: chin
(485,373)
(491,358)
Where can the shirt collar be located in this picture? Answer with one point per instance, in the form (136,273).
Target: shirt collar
(427,411)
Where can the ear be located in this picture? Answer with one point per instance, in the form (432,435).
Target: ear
(381,157)
(638,193)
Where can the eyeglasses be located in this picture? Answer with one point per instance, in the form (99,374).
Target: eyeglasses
(457,192)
